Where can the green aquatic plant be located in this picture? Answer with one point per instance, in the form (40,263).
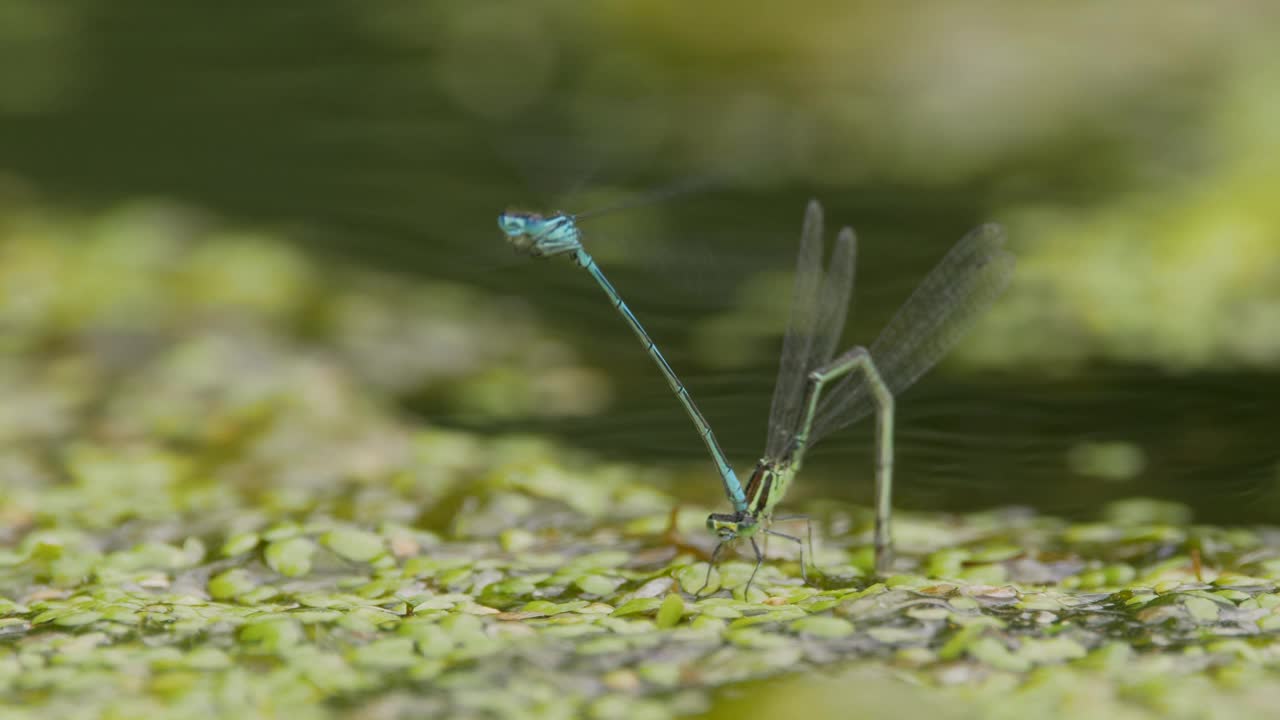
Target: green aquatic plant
(214,510)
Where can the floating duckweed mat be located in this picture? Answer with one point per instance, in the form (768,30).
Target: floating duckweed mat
(210,509)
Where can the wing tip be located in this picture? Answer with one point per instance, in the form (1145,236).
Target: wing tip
(993,230)
(812,220)
(994,238)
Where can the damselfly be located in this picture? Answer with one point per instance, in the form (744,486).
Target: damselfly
(816,393)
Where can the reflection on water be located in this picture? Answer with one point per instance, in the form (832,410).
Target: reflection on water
(977,442)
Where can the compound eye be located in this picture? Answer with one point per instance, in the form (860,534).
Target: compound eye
(511,224)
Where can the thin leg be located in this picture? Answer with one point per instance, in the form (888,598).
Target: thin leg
(715,555)
(804,574)
(759,562)
(808,528)
(859,359)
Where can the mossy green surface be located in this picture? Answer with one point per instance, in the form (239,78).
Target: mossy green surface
(211,509)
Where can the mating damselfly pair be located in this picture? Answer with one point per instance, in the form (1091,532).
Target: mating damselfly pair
(817,392)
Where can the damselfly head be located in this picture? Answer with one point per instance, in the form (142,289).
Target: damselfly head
(540,236)
(729,526)
(514,222)
(519,227)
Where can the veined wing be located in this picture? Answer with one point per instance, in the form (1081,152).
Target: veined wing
(939,312)
(819,306)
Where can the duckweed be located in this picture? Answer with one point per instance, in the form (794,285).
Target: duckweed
(238,524)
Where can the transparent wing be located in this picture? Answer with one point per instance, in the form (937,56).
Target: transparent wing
(837,291)
(940,311)
(679,189)
(819,306)
(805,296)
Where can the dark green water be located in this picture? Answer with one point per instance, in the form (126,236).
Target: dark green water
(313,117)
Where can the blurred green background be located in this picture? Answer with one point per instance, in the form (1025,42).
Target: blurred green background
(1133,152)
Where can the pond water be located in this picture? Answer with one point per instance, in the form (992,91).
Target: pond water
(391,135)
